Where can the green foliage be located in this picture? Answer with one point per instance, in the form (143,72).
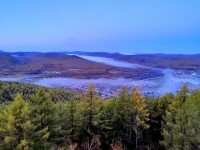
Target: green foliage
(89,111)
(70,124)
(45,118)
(140,115)
(121,112)
(8,91)
(140,110)
(156,108)
(16,127)
(180,128)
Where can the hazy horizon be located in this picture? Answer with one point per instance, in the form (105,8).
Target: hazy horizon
(124,53)
(171,27)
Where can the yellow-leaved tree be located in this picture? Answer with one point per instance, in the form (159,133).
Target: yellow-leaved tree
(140,114)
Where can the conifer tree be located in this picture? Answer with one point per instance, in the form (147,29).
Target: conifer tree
(193,111)
(88,112)
(174,121)
(186,129)
(3,118)
(156,108)
(70,123)
(15,125)
(59,137)
(121,117)
(141,115)
(43,118)
(106,114)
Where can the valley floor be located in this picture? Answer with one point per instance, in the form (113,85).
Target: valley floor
(171,81)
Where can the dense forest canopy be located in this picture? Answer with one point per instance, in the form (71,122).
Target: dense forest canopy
(33,117)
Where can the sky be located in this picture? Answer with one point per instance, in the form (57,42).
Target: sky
(126,26)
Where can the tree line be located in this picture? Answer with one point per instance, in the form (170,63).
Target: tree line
(33,117)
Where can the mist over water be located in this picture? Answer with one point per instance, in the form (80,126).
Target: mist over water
(51,82)
(14,79)
(168,83)
(171,81)
(112,62)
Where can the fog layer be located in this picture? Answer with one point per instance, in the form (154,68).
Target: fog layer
(112,62)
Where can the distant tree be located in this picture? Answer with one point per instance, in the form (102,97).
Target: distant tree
(8,90)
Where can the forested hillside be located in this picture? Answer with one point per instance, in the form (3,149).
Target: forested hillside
(8,91)
(33,117)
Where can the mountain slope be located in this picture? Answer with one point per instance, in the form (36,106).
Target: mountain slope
(62,65)
(175,61)
(6,60)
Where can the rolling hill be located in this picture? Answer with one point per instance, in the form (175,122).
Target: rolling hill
(175,61)
(62,65)
(6,60)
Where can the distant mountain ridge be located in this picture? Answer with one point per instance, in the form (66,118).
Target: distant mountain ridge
(159,60)
(58,64)
(38,62)
(104,54)
(52,64)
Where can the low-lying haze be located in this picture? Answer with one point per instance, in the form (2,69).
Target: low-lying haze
(171,81)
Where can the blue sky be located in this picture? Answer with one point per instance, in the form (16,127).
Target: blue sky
(129,26)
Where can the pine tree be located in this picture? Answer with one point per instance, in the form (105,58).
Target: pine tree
(70,123)
(106,114)
(16,126)
(89,112)
(141,115)
(156,108)
(186,130)
(121,116)
(193,105)
(173,127)
(66,118)
(59,137)
(43,118)
(3,118)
